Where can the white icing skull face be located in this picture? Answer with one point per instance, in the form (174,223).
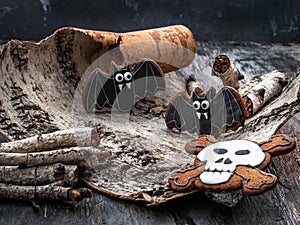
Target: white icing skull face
(222,158)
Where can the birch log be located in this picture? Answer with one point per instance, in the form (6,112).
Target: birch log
(269,86)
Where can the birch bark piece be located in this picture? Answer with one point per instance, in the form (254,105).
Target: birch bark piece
(144,153)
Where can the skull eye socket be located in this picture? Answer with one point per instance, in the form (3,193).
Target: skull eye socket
(127,76)
(196,105)
(205,104)
(242,152)
(220,151)
(119,77)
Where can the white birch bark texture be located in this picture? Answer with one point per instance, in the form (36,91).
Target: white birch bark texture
(267,87)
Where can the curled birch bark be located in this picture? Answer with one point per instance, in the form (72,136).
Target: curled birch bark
(227,71)
(59,139)
(87,156)
(43,192)
(268,86)
(159,44)
(41,175)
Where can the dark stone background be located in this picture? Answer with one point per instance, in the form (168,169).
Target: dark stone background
(217,20)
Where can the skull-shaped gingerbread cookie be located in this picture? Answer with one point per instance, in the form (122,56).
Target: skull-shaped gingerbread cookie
(222,158)
(231,165)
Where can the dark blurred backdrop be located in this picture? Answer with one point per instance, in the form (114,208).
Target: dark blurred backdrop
(213,20)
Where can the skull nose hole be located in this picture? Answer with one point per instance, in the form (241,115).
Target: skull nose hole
(227,161)
(220,150)
(242,152)
(219,160)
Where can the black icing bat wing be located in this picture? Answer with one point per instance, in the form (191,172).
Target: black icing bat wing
(124,87)
(181,115)
(228,111)
(147,79)
(98,91)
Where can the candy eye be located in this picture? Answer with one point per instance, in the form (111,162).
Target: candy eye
(127,76)
(196,105)
(205,104)
(119,77)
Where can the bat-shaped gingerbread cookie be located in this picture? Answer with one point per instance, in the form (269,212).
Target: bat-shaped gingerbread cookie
(231,165)
(123,87)
(206,113)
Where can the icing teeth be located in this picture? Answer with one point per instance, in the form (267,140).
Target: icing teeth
(120,87)
(128,85)
(202,114)
(216,170)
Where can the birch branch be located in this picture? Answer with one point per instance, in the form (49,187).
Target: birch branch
(87,156)
(43,192)
(41,175)
(55,140)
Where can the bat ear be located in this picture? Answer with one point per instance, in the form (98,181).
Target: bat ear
(211,93)
(114,67)
(198,90)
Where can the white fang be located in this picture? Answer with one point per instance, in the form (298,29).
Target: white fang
(120,87)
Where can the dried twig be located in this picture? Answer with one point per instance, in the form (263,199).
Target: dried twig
(43,192)
(40,175)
